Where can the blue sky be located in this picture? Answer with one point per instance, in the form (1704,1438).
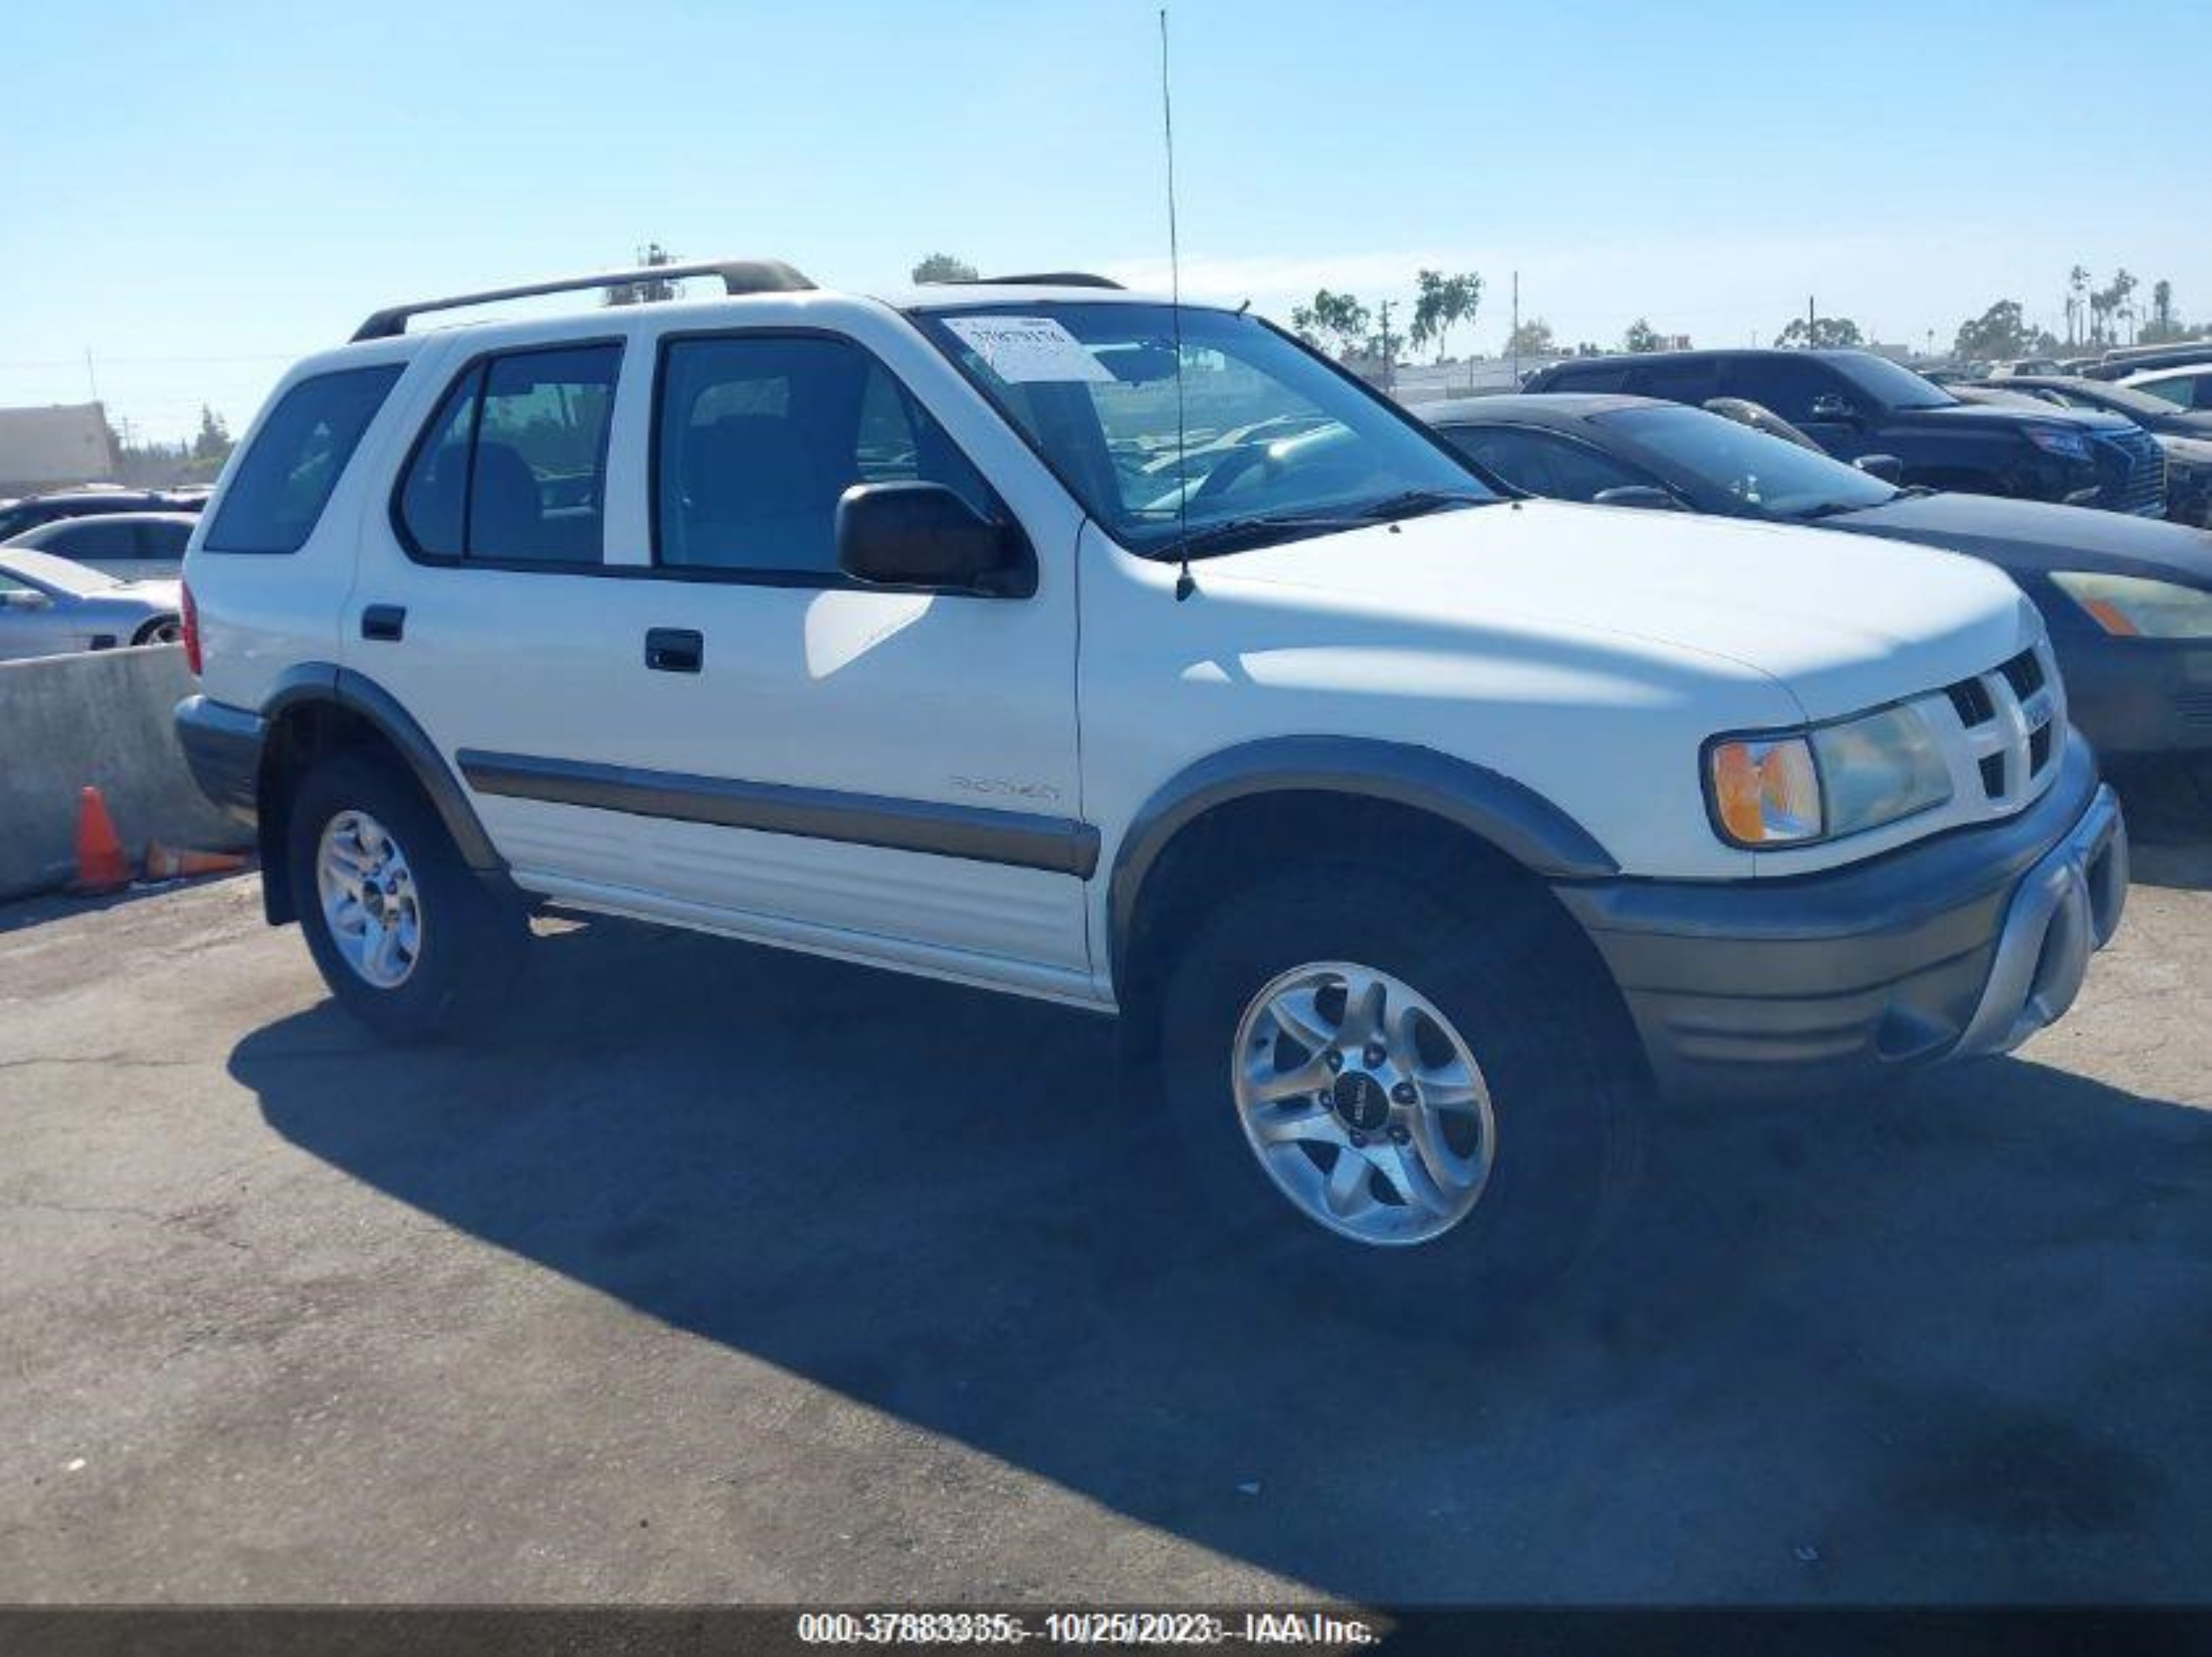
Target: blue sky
(196,194)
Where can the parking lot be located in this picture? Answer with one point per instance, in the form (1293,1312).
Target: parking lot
(716,1274)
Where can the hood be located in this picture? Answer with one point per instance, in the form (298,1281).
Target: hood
(2039,536)
(1841,625)
(2013,413)
(2191,448)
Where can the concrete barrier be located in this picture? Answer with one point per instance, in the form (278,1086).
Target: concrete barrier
(102,718)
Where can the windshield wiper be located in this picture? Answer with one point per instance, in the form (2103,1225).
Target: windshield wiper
(1415,503)
(1237,534)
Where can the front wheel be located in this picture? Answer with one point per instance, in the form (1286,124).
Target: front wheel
(408,939)
(1417,1090)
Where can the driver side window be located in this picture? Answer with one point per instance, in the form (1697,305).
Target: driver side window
(1543,464)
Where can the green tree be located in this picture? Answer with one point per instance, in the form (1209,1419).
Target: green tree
(2077,309)
(1822,333)
(1440,304)
(1532,338)
(213,442)
(1641,337)
(1333,322)
(944,267)
(1999,331)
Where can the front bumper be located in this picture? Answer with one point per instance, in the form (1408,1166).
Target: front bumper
(222,750)
(1962,944)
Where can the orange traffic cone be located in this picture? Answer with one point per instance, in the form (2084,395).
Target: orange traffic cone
(100,864)
(166,863)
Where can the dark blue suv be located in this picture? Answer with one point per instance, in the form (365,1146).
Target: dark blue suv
(1857,405)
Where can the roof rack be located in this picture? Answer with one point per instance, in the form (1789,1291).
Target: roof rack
(738,277)
(1050,279)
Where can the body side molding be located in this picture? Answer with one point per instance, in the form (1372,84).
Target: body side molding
(978,834)
(1512,816)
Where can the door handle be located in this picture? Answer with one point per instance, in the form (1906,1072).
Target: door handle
(387,622)
(674,650)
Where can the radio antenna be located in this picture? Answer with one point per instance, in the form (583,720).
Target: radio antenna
(1184,585)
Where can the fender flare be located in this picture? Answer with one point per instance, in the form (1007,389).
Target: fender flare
(359,695)
(1509,815)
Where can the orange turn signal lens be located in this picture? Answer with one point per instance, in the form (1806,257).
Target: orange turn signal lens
(1766,792)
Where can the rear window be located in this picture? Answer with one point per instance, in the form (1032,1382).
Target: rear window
(285,478)
(1597,376)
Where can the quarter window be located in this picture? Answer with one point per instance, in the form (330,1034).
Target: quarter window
(759,437)
(512,468)
(286,476)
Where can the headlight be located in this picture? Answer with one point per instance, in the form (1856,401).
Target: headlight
(2133,608)
(1791,788)
(2057,439)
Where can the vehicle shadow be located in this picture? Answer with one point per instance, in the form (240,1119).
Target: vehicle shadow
(1946,1343)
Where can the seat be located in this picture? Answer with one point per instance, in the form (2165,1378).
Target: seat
(755,497)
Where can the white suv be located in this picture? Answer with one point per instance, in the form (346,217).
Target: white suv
(1051,639)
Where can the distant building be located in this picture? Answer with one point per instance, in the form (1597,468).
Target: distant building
(51,448)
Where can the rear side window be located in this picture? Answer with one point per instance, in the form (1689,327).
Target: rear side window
(1692,381)
(286,477)
(512,468)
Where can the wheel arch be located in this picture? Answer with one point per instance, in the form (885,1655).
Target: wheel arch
(318,707)
(1248,800)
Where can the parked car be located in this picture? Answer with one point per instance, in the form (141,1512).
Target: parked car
(1854,404)
(2128,602)
(1406,826)
(134,545)
(50,606)
(2187,388)
(32,510)
(2139,359)
(2185,435)
(2026,365)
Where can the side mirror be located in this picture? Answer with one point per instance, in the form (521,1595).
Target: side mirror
(1637,494)
(24,598)
(923,535)
(1887,467)
(1830,407)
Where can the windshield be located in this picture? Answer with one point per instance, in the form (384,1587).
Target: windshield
(1759,470)
(1272,437)
(43,569)
(1894,386)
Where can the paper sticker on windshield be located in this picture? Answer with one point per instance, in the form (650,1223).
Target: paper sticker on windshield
(1028,350)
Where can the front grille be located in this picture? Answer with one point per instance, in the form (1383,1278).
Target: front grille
(1973,702)
(2024,673)
(2012,721)
(2130,472)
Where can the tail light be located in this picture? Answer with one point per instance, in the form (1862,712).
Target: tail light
(191,633)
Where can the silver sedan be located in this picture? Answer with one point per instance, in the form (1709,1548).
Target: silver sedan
(50,606)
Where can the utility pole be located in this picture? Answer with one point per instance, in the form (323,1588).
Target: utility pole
(1512,342)
(1389,352)
(1812,319)
(91,378)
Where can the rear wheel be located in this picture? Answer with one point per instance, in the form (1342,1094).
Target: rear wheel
(161,630)
(1415,1091)
(406,935)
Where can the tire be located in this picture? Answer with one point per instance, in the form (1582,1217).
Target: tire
(452,967)
(1565,1091)
(161,630)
